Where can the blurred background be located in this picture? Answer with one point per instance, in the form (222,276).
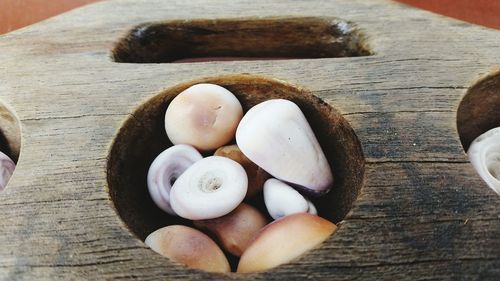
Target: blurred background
(15,14)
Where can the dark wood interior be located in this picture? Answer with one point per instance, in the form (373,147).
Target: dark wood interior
(303,37)
(479,111)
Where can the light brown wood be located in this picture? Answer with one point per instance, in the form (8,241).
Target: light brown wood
(422,211)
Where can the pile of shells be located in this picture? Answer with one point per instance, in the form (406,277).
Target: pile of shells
(276,156)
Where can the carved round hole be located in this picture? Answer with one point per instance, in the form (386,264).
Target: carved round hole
(143,137)
(479,110)
(10,133)
(478,113)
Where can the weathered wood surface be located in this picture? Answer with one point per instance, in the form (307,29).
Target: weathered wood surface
(423,213)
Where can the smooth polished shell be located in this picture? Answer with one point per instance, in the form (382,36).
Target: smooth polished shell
(284,240)
(188,246)
(210,188)
(484,154)
(7,167)
(276,136)
(282,200)
(256,175)
(312,209)
(235,231)
(164,171)
(204,116)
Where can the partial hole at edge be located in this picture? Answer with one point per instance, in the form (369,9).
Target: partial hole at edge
(241,39)
(10,138)
(478,124)
(479,110)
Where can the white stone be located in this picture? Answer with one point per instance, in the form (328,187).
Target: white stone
(484,154)
(276,136)
(282,200)
(210,188)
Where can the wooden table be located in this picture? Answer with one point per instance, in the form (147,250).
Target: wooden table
(422,211)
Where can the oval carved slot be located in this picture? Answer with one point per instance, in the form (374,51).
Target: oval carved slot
(241,39)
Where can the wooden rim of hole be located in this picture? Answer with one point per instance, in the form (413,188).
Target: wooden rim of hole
(142,137)
(479,111)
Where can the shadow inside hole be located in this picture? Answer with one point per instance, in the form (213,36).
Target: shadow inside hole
(479,111)
(241,39)
(143,137)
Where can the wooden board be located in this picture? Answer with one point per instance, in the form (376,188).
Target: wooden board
(422,212)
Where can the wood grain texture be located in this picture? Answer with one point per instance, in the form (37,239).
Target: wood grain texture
(423,213)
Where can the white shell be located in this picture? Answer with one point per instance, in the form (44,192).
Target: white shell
(204,116)
(484,154)
(282,200)
(166,169)
(210,188)
(312,209)
(7,167)
(276,136)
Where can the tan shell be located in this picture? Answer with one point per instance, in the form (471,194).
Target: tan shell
(188,246)
(235,230)
(204,116)
(256,175)
(284,240)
